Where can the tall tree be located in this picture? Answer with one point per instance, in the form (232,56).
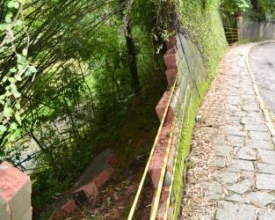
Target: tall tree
(132,56)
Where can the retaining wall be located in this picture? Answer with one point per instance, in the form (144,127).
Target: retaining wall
(255,30)
(15,194)
(183,60)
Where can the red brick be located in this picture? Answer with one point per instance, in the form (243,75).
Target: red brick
(171,51)
(69,206)
(113,160)
(90,190)
(160,108)
(59,214)
(172,154)
(170,61)
(171,42)
(171,75)
(102,178)
(158,157)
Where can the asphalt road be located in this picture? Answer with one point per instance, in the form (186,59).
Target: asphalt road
(262,62)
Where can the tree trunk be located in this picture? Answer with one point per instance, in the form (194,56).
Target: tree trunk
(254,4)
(132,56)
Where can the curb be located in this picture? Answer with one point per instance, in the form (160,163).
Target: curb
(258,95)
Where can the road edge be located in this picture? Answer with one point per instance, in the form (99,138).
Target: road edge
(258,95)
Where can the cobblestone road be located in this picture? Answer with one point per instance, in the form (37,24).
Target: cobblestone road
(232,161)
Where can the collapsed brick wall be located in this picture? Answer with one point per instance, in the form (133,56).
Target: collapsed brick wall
(15,194)
(184,61)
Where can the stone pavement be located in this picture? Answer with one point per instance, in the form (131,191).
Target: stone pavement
(233,157)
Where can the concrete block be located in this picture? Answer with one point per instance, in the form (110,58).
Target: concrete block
(4,210)
(98,164)
(28,215)
(15,189)
(21,202)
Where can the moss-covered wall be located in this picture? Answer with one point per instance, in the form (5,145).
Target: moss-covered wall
(199,49)
(202,23)
(192,57)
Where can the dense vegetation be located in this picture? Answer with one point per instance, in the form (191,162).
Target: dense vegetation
(78,77)
(72,74)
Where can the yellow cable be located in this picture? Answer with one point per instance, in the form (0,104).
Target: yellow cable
(155,205)
(173,173)
(133,208)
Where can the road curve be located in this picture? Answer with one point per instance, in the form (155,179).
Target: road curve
(262,63)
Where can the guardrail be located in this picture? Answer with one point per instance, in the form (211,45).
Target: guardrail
(231,35)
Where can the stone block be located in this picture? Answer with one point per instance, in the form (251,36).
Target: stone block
(218,162)
(267,156)
(251,127)
(260,198)
(214,191)
(227,177)
(223,150)
(238,165)
(240,187)
(266,215)
(246,153)
(235,141)
(259,136)
(229,210)
(249,121)
(259,144)
(234,130)
(265,181)
(266,168)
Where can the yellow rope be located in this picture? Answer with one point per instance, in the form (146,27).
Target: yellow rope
(173,173)
(155,205)
(133,208)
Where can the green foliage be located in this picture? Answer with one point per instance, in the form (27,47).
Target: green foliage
(266,9)
(229,11)
(78,97)
(203,25)
(10,108)
(235,6)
